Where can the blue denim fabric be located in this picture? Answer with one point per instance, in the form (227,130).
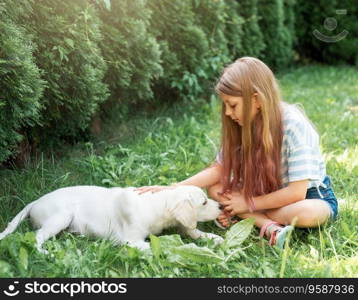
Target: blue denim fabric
(328,196)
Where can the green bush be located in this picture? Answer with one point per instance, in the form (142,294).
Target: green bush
(277,37)
(184,46)
(60,60)
(234,30)
(67,35)
(212,17)
(311,16)
(290,19)
(252,43)
(20,83)
(131,52)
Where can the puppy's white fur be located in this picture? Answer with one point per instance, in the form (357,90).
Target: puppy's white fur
(118,214)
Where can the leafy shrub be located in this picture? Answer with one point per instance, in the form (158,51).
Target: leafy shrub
(131,52)
(290,18)
(234,29)
(67,35)
(277,37)
(57,59)
(253,43)
(212,17)
(20,83)
(184,47)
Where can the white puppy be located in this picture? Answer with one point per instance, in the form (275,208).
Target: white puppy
(118,214)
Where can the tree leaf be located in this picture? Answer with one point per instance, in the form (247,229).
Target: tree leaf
(238,233)
(5,269)
(23,258)
(197,254)
(178,260)
(170,241)
(155,246)
(132,252)
(30,238)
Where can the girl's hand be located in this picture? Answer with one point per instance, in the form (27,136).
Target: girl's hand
(154,188)
(224,217)
(235,203)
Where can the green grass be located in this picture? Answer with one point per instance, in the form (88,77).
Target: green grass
(171,145)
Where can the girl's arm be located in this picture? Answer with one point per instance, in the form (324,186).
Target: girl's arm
(295,191)
(235,202)
(204,178)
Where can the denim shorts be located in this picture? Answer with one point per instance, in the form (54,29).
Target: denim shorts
(328,196)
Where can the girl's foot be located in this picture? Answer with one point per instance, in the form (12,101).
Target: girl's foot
(218,224)
(276,233)
(224,221)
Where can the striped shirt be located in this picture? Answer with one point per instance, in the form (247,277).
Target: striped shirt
(301,156)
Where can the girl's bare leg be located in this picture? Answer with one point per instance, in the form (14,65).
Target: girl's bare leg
(309,213)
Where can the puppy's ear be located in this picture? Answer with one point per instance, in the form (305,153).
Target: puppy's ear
(185,214)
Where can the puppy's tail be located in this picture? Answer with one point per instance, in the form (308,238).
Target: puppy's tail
(16,221)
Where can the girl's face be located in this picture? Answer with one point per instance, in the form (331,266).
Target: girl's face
(234,107)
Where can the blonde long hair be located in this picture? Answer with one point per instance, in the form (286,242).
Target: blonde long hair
(251,154)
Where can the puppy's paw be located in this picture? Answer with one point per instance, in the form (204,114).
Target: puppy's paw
(216,238)
(140,245)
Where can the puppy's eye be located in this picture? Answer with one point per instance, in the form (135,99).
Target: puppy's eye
(205,202)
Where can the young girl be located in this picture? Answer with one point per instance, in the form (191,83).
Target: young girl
(270,167)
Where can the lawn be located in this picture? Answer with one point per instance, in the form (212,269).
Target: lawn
(168,146)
